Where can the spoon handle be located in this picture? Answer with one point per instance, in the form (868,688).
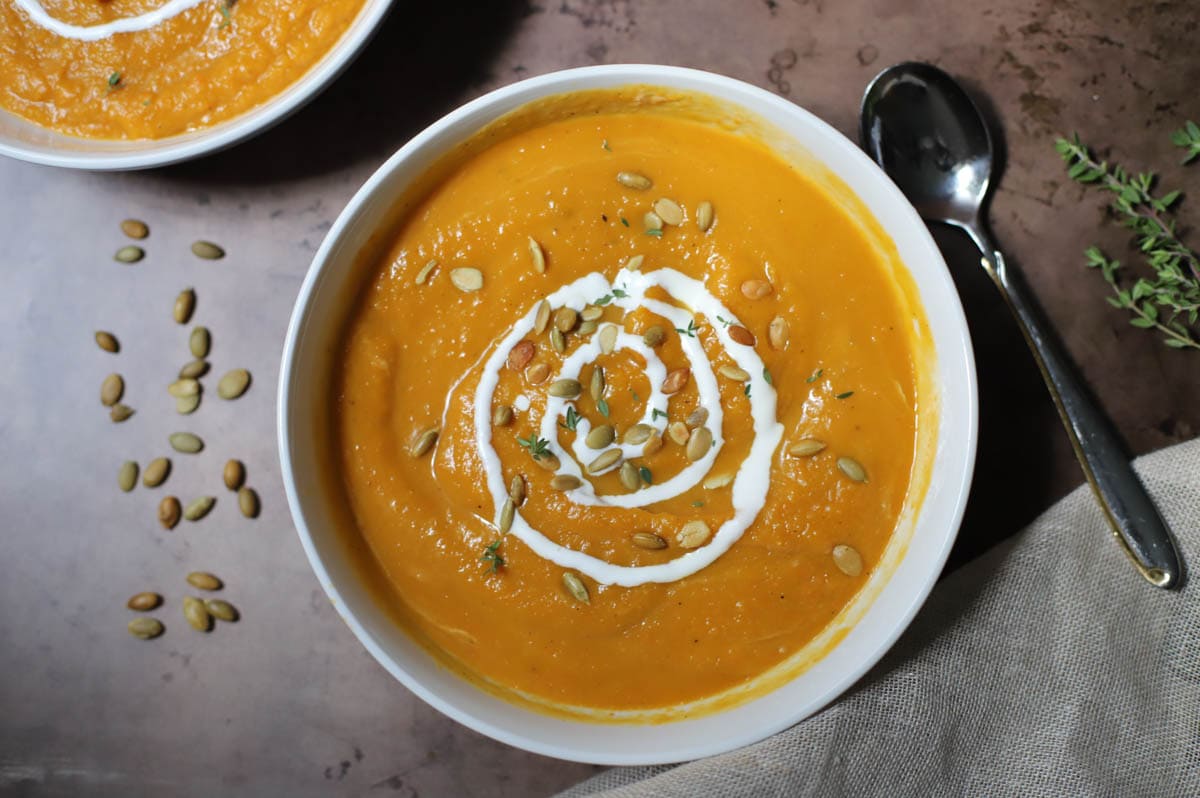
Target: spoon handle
(1135,520)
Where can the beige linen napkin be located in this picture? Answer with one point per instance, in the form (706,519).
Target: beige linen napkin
(1046,667)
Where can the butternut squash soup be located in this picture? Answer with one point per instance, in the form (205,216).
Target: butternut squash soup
(146,69)
(628,413)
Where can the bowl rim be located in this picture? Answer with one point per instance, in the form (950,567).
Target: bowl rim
(205,141)
(962,353)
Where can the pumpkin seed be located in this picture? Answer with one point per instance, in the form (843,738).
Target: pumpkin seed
(654,336)
(756,289)
(638,433)
(521,353)
(676,380)
(129,254)
(587,328)
(652,221)
(806,447)
(699,444)
(576,587)
(648,540)
(248,502)
(185,405)
(777,333)
(466,279)
(537,373)
(502,416)
(156,472)
(143,602)
(506,516)
(634,264)
(233,384)
(697,418)
(423,441)
(516,490)
(135,228)
(852,468)
(169,511)
(629,476)
(185,442)
(669,211)
(203,580)
(183,388)
(608,339)
(207,250)
(196,614)
(741,335)
(185,304)
(222,610)
(198,342)
(120,412)
(558,341)
(604,461)
(539,257)
(111,390)
(653,444)
(717,481)
(847,559)
(634,180)
(591,313)
(194,369)
(107,341)
(704,216)
(542,318)
(234,474)
(565,388)
(127,475)
(199,508)
(426,270)
(734,373)
(145,628)
(678,432)
(565,482)
(596,384)
(565,319)
(549,462)
(599,437)
(693,534)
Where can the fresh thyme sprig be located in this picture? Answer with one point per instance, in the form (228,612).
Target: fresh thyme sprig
(572,420)
(492,556)
(538,447)
(1170,301)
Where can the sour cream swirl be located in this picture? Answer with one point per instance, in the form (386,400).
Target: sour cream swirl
(94,33)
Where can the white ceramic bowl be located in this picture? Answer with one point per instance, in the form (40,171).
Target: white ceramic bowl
(305,407)
(26,141)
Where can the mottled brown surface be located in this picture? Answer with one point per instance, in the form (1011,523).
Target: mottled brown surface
(287,702)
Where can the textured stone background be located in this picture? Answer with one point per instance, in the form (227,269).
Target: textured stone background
(287,702)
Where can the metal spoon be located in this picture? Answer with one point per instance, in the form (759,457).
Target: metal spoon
(922,128)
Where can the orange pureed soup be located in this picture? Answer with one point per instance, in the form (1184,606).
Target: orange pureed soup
(628,413)
(207,64)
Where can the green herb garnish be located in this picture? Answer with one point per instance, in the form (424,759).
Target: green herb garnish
(845,395)
(655,413)
(816,375)
(114,80)
(226,7)
(746,390)
(635,396)
(602,406)
(645,474)
(697,504)
(767,376)
(624,221)
(491,555)
(538,447)
(726,322)
(657,233)
(690,332)
(572,419)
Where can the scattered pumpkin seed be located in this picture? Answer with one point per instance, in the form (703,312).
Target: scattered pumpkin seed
(127,475)
(233,384)
(558,341)
(629,476)
(693,534)
(198,342)
(537,373)
(203,580)
(604,461)
(186,405)
(676,380)
(587,327)
(634,180)
(697,418)
(129,254)
(135,228)
(194,369)
(222,610)
(565,482)
(634,264)
(107,341)
(502,416)
(596,384)
(608,339)
(111,390)
(516,490)
(653,444)
(741,335)
(806,447)
(777,333)
(120,412)
(144,601)
(669,211)
(576,587)
(648,540)
(521,353)
(169,512)
(199,508)
(426,270)
(704,216)
(654,336)
(539,257)
(652,221)
(717,481)
(196,614)
(506,516)
(207,250)
(234,474)
(678,432)
(756,289)
(185,442)
(156,472)
(423,442)
(565,388)
(565,319)
(699,444)
(852,468)
(591,313)
(638,433)
(185,304)
(549,462)
(466,279)
(248,502)
(847,559)
(542,318)
(145,628)
(734,373)
(183,388)
(600,436)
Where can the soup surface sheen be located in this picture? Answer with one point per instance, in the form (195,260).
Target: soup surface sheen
(211,62)
(421,352)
